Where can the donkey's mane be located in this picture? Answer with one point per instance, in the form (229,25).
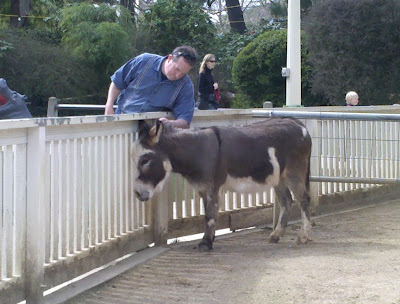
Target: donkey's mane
(170,131)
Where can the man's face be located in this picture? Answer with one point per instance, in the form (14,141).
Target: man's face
(175,70)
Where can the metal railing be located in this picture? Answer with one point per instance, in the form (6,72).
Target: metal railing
(54,105)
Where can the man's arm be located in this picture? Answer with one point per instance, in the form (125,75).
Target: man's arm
(183,108)
(113,93)
(178,123)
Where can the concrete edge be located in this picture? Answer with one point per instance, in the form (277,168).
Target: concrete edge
(100,275)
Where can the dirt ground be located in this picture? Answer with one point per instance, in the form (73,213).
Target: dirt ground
(354,258)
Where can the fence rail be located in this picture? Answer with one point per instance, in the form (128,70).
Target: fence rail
(66,201)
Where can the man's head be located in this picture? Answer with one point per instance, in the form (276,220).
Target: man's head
(179,63)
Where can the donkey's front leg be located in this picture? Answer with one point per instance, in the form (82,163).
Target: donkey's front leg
(211,206)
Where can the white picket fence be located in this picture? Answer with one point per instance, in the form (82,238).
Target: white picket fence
(67,204)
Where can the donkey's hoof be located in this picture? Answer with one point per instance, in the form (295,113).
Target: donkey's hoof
(302,240)
(204,246)
(273,238)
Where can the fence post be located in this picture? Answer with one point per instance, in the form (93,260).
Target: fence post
(35,221)
(52,107)
(160,217)
(267,104)
(315,162)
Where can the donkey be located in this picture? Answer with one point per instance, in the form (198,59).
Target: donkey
(273,152)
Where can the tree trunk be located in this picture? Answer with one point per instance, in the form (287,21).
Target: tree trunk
(21,9)
(129,4)
(14,11)
(235,16)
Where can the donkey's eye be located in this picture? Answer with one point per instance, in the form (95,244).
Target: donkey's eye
(144,161)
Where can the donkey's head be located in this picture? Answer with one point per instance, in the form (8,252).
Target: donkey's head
(152,167)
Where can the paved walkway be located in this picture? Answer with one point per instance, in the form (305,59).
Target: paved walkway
(354,258)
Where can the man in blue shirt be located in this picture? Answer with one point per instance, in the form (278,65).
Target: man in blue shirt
(151,83)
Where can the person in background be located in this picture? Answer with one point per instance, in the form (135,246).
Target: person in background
(206,84)
(152,83)
(12,104)
(351,98)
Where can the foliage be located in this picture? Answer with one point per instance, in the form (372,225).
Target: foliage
(168,24)
(40,70)
(228,46)
(354,45)
(100,34)
(5,8)
(254,15)
(4,47)
(278,8)
(257,72)
(49,13)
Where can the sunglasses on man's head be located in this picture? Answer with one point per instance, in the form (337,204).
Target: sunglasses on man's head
(184,55)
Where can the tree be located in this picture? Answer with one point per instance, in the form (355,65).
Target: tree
(100,34)
(167,24)
(256,15)
(253,11)
(235,15)
(278,8)
(129,4)
(49,11)
(354,45)
(21,9)
(136,6)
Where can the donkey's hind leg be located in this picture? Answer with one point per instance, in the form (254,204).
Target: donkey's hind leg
(302,195)
(211,206)
(285,201)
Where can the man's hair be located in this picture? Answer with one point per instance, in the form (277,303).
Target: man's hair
(186,52)
(350,96)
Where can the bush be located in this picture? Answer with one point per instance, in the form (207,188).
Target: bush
(354,45)
(256,72)
(227,46)
(40,70)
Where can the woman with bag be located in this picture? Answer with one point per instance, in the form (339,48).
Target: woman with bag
(207,87)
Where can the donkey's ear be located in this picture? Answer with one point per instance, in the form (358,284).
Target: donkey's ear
(156,131)
(144,128)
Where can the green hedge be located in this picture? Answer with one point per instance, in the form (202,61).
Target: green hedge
(39,70)
(256,72)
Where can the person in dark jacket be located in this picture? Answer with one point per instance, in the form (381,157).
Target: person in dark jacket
(206,84)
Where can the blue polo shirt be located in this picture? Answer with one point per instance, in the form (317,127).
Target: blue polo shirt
(144,90)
